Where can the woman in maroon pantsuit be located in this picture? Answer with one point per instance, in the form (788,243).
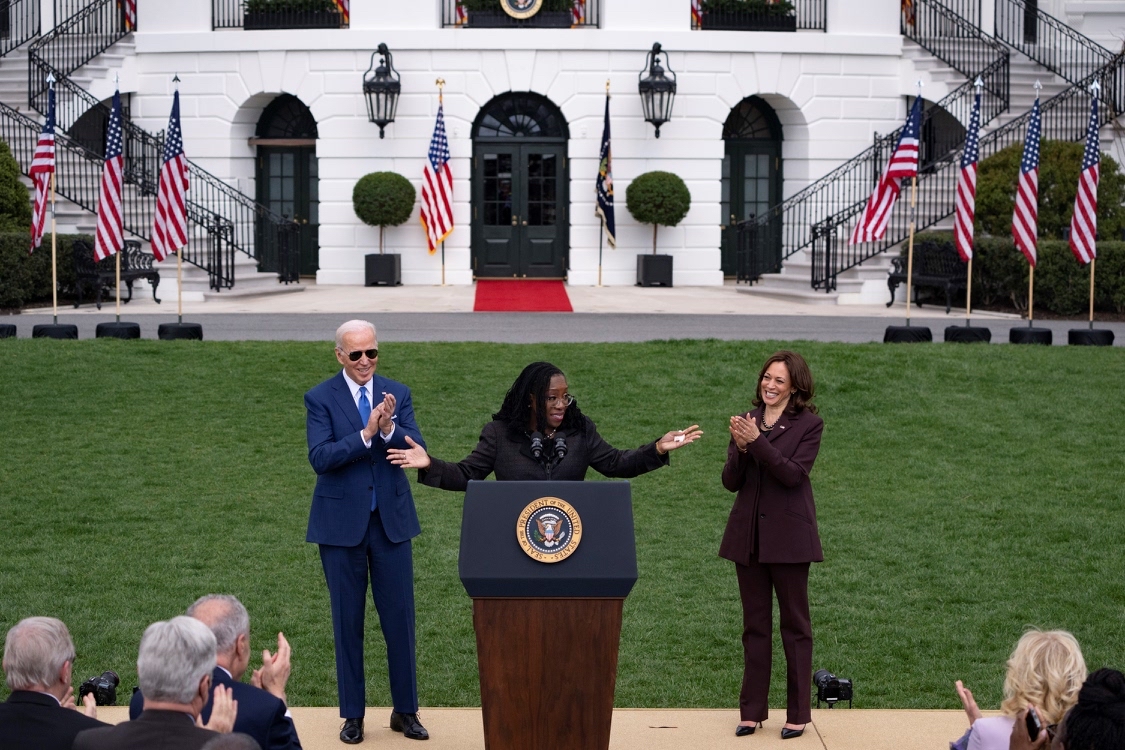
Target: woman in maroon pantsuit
(771,535)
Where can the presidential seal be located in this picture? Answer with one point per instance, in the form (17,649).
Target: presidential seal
(521,8)
(549,530)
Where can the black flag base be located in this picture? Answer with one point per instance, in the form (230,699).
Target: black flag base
(907,335)
(7,331)
(1089,337)
(1023,335)
(54,331)
(968,334)
(117,330)
(174,331)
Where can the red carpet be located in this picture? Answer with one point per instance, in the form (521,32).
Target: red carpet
(521,296)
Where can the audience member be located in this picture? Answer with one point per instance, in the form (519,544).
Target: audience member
(38,665)
(261,704)
(174,668)
(1045,670)
(233,741)
(1096,722)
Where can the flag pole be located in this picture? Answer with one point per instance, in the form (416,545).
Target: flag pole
(1092,292)
(117,255)
(969,295)
(179,253)
(910,245)
(1030,295)
(441,100)
(54,264)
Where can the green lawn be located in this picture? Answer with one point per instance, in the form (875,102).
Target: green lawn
(964,493)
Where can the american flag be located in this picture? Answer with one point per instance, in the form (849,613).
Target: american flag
(130,7)
(872,224)
(462,14)
(345,10)
(1084,223)
(110,238)
(1025,216)
(42,167)
(579,13)
(169,228)
(967,187)
(697,13)
(437,187)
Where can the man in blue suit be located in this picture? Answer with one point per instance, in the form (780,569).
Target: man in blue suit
(262,712)
(363,518)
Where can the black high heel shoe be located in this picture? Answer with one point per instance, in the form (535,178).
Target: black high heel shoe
(744,731)
(788,734)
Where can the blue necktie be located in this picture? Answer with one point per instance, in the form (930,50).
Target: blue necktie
(364,415)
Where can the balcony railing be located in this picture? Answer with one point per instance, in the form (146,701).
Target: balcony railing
(488,14)
(19,22)
(276,14)
(759,15)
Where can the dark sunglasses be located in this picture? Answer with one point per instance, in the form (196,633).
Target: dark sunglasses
(371,354)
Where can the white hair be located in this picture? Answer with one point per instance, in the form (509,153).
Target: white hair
(353,326)
(34,652)
(174,656)
(232,621)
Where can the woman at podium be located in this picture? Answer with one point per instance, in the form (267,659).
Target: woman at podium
(540,433)
(771,535)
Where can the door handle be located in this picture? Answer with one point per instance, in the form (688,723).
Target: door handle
(733,220)
(515,220)
(525,222)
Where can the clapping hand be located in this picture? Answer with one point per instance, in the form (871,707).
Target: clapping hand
(381,418)
(414,457)
(744,431)
(224,709)
(1019,739)
(89,702)
(678,438)
(274,673)
(968,702)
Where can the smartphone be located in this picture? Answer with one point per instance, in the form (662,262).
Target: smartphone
(1034,726)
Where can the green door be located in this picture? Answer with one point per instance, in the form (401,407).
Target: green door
(288,185)
(751,185)
(519,210)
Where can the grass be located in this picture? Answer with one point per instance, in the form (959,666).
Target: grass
(963,493)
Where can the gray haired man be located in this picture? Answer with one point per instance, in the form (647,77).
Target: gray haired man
(38,664)
(174,669)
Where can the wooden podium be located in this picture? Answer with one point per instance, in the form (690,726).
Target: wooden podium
(547,632)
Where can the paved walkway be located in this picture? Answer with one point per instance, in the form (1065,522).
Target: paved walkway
(650,729)
(434,313)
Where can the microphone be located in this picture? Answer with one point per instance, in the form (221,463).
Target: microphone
(537,445)
(560,447)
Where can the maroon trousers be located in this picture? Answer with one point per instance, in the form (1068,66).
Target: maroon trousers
(756,584)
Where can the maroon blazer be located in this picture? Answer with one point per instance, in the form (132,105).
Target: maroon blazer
(772,482)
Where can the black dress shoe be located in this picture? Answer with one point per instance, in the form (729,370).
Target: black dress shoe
(409,725)
(352,731)
(788,734)
(742,730)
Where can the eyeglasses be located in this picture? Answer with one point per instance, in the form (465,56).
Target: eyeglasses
(371,354)
(566,400)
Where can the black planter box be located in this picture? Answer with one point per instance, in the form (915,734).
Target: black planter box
(907,335)
(1089,337)
(1026,335)
(382,270)
(7,331)
(654,270)
(741,21)
(292,19)
(544,19)
(968,334)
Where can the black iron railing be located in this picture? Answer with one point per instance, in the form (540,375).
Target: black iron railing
(1048,41)
(957,42)
(70,45)
(756,253)
(19,23)
(554,14)
(1064,117)
(240,14)
(809,15)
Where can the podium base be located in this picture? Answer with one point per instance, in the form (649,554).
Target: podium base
(175,331)
(968,334)
(1021,335)
(1089,337)
(117,331)
(54,331)
(907,335)
(7,331)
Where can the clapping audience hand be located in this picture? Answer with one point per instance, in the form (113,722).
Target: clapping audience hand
(968,702)
(89,703)
(274,674)
(224,709)
(678,438)
(385,423)
(744,431)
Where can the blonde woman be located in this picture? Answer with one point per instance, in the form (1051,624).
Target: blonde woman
(1046,670)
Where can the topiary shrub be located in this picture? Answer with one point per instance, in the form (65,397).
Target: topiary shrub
(1059,165)
(383,199)
(658,198)
(15,201)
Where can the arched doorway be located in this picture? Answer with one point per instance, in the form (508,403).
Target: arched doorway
(751,173)
(286,172)
(520,195)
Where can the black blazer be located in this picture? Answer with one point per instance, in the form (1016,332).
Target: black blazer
(33,721)
(152,730)
(260,714)
(508,455)
(775,497)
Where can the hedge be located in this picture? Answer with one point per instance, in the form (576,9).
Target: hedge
(26,279)
(1062,286)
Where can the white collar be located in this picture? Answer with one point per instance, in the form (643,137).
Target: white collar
(354,386)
